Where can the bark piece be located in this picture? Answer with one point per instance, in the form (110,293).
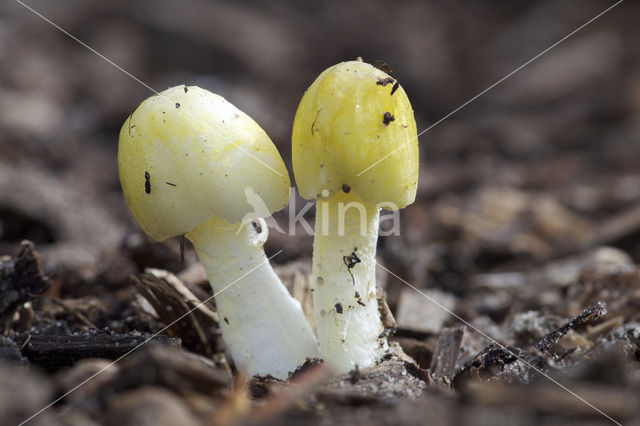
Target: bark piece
(52,352)
(446,354)
(519,360)
(187,316)
(592,313)
(495,355)
(20,278)
(421,352)
(261,386)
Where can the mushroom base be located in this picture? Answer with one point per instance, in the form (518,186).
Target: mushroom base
(344,260)
(263,326)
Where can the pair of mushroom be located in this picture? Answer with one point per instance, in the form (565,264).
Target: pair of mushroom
(188,159)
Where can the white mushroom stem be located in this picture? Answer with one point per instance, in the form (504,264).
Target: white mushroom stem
(263,326)
(346,308)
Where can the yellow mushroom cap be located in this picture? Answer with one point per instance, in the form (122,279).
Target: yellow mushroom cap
(187,154)
(348,120)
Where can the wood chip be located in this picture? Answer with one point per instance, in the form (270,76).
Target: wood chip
(54,352)
(592,313)
(20,278)
(446,354)
(420,314)
(190,319)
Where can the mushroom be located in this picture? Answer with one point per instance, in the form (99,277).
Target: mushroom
(192,163)
(352,116)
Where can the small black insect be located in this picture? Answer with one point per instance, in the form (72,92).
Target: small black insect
(384,81)
(185,89)
(346,188)
(147,182)
(352,259)
(177,105)
(226,320)
(387,118)
(395,87)
(359,299)
(339,308)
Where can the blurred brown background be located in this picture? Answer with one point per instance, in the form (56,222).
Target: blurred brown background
(543,166)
